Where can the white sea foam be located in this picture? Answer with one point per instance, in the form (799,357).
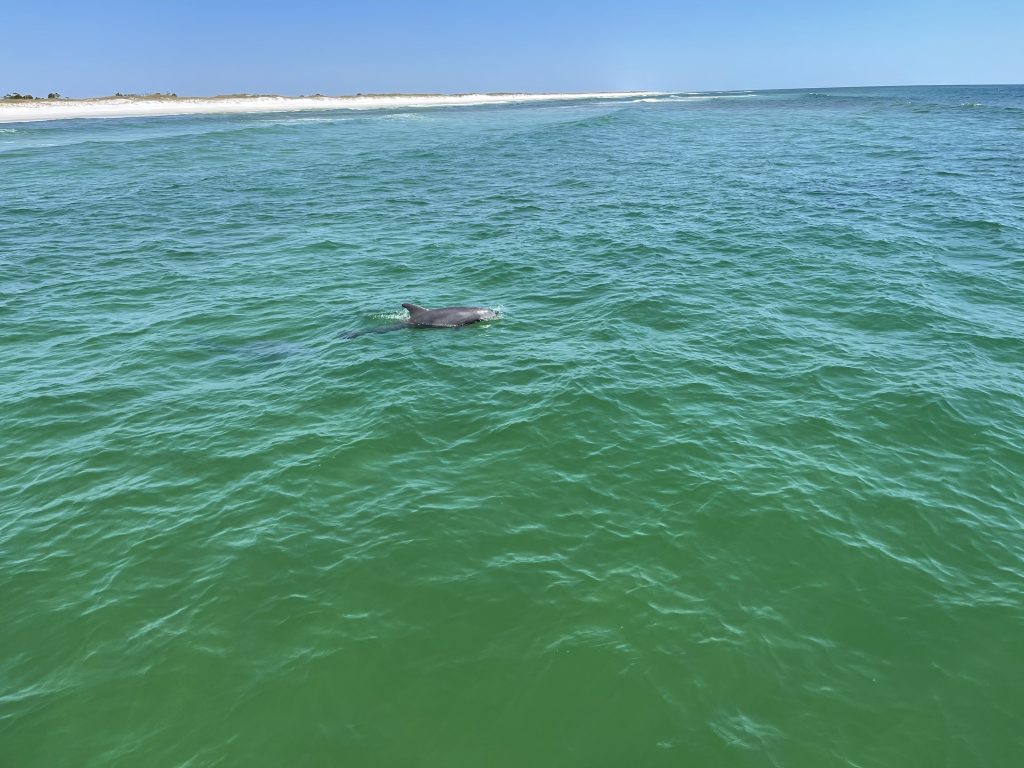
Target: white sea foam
(57,110)
(677,97)
(395,315)
(289,120)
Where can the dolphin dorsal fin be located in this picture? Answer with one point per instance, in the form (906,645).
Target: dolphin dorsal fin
(414,308)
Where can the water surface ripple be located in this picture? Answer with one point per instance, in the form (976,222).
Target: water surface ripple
(735,480)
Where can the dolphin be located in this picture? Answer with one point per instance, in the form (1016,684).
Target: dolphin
(443,317)
(447,317)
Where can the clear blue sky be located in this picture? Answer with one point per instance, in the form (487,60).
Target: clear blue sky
(304,46)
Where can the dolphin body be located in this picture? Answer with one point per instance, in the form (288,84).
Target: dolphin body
(447,317)
(444,317)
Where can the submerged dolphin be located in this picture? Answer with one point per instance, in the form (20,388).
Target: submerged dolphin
(444,317)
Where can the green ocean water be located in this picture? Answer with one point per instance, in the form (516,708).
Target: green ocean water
(735,480)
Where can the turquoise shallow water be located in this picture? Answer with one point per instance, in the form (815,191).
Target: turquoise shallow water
(736,480)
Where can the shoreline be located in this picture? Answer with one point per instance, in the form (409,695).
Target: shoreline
(162,106)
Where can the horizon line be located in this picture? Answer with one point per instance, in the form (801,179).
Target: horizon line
(381,94)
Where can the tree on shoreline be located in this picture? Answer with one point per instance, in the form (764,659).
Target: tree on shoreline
(15,96)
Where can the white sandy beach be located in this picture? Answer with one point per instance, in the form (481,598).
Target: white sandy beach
(45,109)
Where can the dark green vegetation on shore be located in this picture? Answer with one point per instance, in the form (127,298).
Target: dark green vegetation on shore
(15,96)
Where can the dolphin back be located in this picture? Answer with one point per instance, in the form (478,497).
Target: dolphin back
(447,317)
(444,317)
